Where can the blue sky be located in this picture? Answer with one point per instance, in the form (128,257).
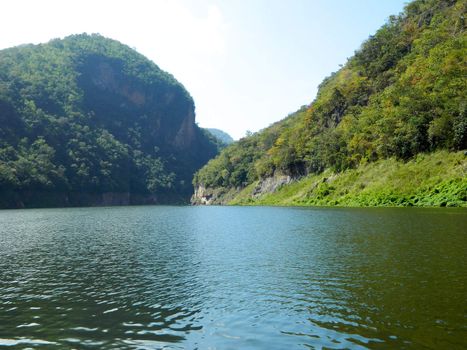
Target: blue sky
(247,63)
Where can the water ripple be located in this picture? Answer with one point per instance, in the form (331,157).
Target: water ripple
(229,278)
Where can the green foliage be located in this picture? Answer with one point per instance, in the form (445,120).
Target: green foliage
(31,166)
(435,179)
(88,114)
(402,93)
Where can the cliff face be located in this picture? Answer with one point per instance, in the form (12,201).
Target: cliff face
(220,196)
(89,115)
(166,114)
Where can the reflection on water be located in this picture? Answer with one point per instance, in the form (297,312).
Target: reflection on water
(233,278)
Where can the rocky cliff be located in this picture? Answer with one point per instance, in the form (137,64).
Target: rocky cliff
(220,196)
(87,120)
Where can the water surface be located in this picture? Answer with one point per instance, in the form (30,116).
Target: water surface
(233,278)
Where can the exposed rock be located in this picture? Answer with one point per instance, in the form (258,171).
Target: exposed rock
(186,134)
(220,196)
(271,184)
(202,196)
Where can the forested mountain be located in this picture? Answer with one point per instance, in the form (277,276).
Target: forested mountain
(402,93)
(87,120)
(221,135)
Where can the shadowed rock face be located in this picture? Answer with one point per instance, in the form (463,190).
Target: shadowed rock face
(106,85)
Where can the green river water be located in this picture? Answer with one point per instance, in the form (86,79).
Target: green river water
(233,278)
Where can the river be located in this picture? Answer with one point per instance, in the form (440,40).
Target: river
(159,277)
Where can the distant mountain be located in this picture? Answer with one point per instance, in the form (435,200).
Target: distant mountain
(403,93)
(221,135)
(86,121)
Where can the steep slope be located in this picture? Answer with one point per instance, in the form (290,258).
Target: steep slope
(86,120)
(401,94)
(434,179)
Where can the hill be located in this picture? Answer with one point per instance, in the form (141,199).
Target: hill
(88,121)
(221,135)
(402,94)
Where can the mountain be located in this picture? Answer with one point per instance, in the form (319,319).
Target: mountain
(402,94)
(88,121)
(221,135)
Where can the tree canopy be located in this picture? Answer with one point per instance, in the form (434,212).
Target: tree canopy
(402,93)
(89,114)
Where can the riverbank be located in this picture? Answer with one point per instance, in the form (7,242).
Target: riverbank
(430,180)
(52,199)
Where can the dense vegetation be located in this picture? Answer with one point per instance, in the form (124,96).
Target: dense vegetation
(434,179)
(88,115)
(402,93)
